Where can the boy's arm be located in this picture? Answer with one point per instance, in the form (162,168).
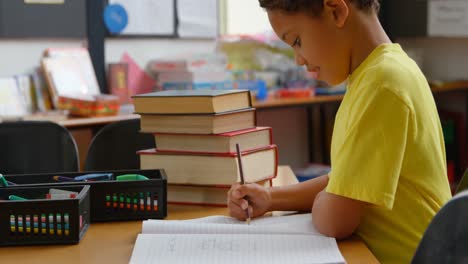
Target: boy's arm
(333,215)
(336,216)
(297,197)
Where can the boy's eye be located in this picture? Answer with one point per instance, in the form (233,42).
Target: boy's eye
(297,42)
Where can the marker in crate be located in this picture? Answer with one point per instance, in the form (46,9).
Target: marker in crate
(95,177)
(124,201)
(43,224)
(4,182)
(85,177)
(36,224)
(12,223)
(60,194)
(28,224)
(66,219)
(16,198)
(131,177)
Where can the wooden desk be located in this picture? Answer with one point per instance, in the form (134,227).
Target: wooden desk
(95,121)
(113,242)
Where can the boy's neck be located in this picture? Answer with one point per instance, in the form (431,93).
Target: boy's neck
(367,35)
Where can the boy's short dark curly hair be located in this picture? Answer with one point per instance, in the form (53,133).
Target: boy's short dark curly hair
(316,6)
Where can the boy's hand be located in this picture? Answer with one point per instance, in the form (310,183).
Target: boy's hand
(259,200)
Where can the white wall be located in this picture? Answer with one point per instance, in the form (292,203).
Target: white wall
(21,56)
(442,58)
(245,17)
(143,50)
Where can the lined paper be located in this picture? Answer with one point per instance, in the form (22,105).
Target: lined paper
(221,239)
(294,224)
(235,248)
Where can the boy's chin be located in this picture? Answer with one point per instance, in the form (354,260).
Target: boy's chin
(332,80)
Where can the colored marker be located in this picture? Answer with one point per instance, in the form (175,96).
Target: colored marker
(12,223)
(148,203)
(67,226)
(3,181)
(43,224)
(20,223)
(28,224)
(155,201)
(59,224)
(108,201)
(11,183)
(62,179)
(36,224)
(135,204)
(16,198)
(51,224)
(122,201)
(95,177)
(131,177)
(142,202)
(114,199)
(129,202)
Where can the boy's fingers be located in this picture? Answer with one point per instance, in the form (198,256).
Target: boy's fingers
(236,212)
(242,203)
(241,191)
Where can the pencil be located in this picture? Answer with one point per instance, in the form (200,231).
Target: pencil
(241,171)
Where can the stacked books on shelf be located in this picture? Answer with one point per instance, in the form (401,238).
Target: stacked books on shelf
(196,132)
(22,95)
(187,74)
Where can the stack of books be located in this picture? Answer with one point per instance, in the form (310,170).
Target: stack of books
(196,132)
(189,74)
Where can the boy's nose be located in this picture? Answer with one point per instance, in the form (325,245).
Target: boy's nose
(299,59)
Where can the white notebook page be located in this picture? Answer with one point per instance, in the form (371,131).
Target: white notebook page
(234,248)
(293,224)
(221,239)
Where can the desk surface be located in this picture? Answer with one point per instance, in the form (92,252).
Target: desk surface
(113,242)
(92,121)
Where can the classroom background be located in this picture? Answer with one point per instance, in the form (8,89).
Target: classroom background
(228,45)
(70,75)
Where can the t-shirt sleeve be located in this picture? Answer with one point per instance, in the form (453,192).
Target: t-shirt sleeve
(367,166)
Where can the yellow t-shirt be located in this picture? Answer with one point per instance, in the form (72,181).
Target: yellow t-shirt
(388,150)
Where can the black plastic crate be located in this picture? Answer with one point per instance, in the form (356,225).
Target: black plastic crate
(113,200)
(40,221)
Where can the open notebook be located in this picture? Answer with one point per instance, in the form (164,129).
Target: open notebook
(220,239)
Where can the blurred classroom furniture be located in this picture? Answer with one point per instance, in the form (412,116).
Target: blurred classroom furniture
(37,147)
(302,126)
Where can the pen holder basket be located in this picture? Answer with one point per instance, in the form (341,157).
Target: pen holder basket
(40,221)
(113,200)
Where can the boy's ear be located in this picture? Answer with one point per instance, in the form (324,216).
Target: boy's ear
(338,10)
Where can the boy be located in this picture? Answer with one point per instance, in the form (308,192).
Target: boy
(388,176)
